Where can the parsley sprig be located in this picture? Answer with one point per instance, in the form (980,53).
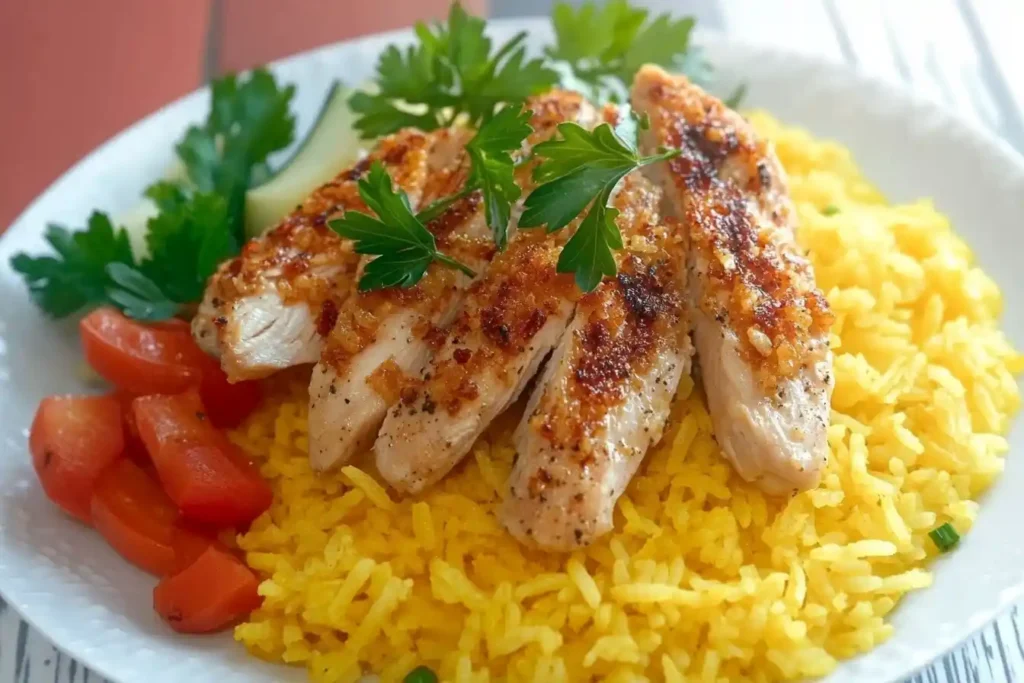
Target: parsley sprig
(75,277)
(604,46)
(582,168)
(199,223)
(402,244)
(400,239)
(450,74)
(248,121)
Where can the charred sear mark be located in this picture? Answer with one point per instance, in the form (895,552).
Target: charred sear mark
(621,336)
(705,144)
(434,336)
(644,295)
(360,168)
(770,294)
(328,317)
(456,214)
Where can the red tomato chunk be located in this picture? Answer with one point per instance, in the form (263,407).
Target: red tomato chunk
(206,475)
(73,440)
(215,591)
(138,358)
(139,521)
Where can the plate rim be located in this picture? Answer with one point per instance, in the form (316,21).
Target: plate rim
(988,143)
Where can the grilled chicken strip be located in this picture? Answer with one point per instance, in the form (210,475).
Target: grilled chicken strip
(261,309)
(382,340)
(513,318)
(760,323)
(606,393)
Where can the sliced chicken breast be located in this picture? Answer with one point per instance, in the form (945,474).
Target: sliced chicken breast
(262,309)
(760,323)
(606,393)
(513,319)
(382,340)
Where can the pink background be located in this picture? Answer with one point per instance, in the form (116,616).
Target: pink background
(73,73)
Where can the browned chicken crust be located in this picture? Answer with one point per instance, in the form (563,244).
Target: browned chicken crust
(357,320)
(314,262)
(759,285)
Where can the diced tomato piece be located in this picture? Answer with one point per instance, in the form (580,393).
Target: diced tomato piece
(73,439)
(133,513)
(213,592)
(140,521)
(227,404)
(189,544)
(142,359)
(134,449)
(206,475)
(125,399)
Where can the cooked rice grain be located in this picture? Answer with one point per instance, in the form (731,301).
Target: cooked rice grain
(704,578)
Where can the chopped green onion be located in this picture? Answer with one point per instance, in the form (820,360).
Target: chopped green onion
(945,537)
(830,210)
(421,674)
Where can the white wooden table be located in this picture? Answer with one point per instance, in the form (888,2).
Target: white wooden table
(965,54)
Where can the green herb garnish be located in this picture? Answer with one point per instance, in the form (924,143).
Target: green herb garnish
(249,119)
(76,277)
(581,168)
(200,223)
(187,240)
(402,244)
(493,171)
(421,674)
(830,210)
(944,537)
(450,74)
(604,46)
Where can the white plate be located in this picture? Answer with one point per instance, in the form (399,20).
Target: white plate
(68,583)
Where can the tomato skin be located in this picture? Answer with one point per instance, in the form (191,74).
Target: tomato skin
(227,404)
(72,440)
(138,358)
(216,590)
(136,517)
(206,475)
(189,544)
(134,449)
(139,521)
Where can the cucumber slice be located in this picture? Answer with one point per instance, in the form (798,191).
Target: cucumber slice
(331,145)
(135,222)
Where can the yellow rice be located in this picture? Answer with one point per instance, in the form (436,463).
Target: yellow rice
(704,578)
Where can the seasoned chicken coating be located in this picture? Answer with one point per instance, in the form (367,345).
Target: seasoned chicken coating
(514,317)
(607,390)
(760,323)
(382,340)
(262,309)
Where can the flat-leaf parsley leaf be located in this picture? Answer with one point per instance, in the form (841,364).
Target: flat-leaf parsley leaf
(249,119)
(402,244)
(92,267)
(450,73)
(581,168)
(605,46)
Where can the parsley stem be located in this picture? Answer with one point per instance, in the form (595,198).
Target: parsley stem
(439,206)
(452,263)
(663,155)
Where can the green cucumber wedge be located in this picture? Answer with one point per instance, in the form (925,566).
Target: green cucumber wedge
(331,145)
